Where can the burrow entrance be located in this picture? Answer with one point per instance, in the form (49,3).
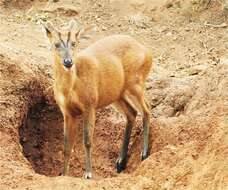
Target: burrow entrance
(41,137)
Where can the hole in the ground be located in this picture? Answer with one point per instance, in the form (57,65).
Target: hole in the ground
(41,136)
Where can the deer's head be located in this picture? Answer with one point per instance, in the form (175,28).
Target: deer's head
(64,44)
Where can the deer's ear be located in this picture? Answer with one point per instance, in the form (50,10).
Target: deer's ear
(72,24)
(48,30)
(85,33)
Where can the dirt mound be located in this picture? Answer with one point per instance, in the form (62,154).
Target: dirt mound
(66,10)
(16,3)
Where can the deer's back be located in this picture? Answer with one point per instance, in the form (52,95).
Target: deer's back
(118,48)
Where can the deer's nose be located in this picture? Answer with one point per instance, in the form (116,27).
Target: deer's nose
(67,63)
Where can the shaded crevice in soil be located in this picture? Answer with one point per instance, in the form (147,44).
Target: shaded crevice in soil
(41,136)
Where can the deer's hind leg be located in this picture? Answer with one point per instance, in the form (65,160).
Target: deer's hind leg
(130,114)
(136,94)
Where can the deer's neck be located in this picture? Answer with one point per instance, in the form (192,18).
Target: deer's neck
(63,77)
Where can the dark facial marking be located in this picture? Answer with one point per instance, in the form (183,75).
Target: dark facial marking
(64,48)
(65,45)
(68,37)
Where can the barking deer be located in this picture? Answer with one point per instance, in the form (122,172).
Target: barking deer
(111,71)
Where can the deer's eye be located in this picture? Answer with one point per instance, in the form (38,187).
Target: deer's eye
(57,45)
(73,44)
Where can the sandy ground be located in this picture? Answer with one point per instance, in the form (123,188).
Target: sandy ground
(187,91)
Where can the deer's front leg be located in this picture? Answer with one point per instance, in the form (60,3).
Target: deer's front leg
(69,139)
(89,122)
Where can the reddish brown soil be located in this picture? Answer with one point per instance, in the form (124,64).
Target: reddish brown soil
(187,91)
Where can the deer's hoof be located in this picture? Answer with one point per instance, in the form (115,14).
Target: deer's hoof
(121,164)
(144,155)
(88,175)
(62,173)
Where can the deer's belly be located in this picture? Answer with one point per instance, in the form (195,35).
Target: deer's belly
(111,85)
